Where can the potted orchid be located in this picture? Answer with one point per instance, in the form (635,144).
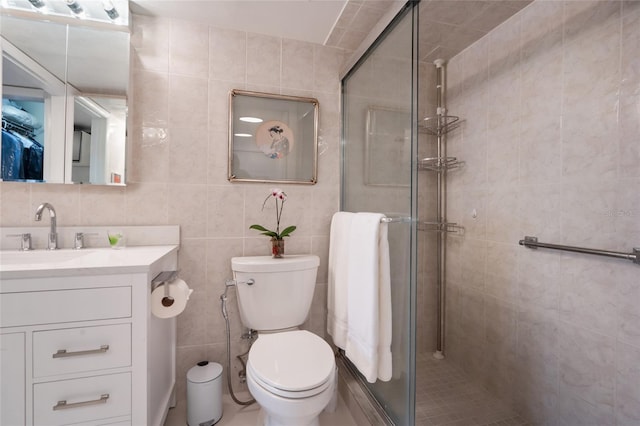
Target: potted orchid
(277,237)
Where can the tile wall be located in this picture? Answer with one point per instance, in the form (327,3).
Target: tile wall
(182,73)
(550,102)
(551,142)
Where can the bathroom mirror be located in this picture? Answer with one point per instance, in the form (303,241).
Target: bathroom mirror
(272,138)
(64,98)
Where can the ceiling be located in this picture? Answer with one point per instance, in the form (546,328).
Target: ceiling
(306,20)
(446,26)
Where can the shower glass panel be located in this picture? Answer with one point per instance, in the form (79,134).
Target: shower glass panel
(379,148)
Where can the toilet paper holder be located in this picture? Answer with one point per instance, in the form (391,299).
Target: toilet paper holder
(165,277)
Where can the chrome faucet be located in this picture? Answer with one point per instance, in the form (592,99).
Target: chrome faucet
(52,242)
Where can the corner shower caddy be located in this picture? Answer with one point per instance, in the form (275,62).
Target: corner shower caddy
(438,126)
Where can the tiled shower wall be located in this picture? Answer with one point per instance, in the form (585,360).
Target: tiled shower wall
(177,169)
(551,141)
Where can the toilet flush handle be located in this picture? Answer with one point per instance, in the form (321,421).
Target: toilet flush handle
(231,283)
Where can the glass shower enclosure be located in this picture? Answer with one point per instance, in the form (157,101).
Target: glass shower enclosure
(379,150)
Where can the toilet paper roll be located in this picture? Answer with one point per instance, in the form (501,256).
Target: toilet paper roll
(170,299)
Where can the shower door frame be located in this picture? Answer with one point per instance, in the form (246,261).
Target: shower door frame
(410,7)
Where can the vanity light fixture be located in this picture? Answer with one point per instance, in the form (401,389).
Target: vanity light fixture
(114,12)
(75,7)
(38,4)
(251,119)
(110,9)
(243,135)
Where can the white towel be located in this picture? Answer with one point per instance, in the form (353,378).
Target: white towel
(385,371)
(338,284)
(359,298)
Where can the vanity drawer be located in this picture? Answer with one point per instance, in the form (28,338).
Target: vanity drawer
(74,350)
(86,399)
(46,307)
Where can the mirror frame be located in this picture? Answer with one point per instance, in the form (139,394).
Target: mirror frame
(289,120)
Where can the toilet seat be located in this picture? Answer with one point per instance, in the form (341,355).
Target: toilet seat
(287,393)
(292,364)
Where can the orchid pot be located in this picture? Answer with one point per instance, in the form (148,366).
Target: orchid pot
(277,248)
(277,236)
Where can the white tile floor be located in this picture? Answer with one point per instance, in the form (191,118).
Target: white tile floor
(446,397)
(236,415)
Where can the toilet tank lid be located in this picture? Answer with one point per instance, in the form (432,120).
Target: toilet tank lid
(269,264)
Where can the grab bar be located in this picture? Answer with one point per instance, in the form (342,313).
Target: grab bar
(532,243)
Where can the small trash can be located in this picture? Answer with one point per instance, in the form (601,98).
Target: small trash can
(204,394)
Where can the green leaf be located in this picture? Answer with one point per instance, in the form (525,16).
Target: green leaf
(288,230)
(264,230)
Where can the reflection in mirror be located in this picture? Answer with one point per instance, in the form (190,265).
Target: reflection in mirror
(99,129)
(64,90)
(33,100)
(98,61)
(100,104)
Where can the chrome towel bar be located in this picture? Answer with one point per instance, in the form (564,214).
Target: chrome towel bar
(532,243)
(449,227)
(397,219)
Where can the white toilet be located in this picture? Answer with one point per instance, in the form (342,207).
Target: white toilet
(291,373)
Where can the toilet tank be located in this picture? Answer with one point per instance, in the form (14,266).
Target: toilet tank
(281,293)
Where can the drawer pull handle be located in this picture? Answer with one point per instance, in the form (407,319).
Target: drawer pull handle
(63,405)
(62,353)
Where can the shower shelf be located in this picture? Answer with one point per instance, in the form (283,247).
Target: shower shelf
(449,227)
(440,124)
(438,164)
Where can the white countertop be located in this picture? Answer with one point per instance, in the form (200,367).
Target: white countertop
(90,261)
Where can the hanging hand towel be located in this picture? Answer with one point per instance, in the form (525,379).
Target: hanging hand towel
(369,297)
(384,303)
(337,280)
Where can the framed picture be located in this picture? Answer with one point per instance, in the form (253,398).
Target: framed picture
(388,147)
(272,138)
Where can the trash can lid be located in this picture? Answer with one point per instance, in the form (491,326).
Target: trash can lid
(204,371)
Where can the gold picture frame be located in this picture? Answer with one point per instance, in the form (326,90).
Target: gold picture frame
(272,138)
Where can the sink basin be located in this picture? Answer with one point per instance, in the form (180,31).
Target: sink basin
(33,257)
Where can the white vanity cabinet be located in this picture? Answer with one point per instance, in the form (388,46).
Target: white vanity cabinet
(12,379)
(82,347)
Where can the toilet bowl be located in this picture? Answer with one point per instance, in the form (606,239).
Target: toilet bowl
(291,373)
